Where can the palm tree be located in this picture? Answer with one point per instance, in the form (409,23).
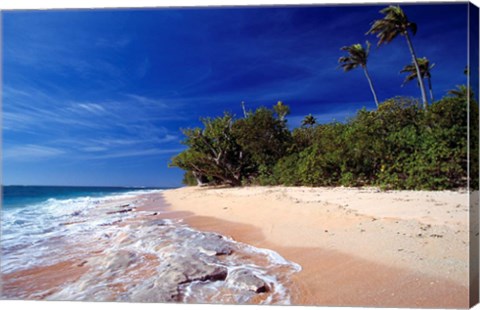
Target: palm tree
(309,121)
(462,92)
(245,114)
(395,23)
(425,68)
(357,56)
(281,110)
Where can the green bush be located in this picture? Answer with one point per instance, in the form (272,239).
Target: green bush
(286,171)
(397,146)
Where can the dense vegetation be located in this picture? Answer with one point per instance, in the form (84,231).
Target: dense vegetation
(397,146)
(402,144)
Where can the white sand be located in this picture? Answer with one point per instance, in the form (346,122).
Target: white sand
(423,233)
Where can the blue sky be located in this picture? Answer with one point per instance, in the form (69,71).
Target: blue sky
(98,97)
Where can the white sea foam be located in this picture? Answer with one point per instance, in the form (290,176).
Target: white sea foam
(88,229)
(34,235)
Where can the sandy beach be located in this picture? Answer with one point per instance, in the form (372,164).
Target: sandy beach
(361,247)
(331,247)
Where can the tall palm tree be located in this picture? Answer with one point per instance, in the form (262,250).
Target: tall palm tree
(394,23)
(357,56)
(425,68)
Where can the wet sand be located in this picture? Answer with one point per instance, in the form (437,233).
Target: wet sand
(134,250)
(40,282)
(357,247)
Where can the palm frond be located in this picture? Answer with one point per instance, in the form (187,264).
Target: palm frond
(357,56)
(424,66)
(462,91)
(412,27)
(394,23)
(367,49)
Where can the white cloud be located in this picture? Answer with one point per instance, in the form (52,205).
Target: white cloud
(31,152)
(137,153)
(92,108)
(146,100)
(94,149)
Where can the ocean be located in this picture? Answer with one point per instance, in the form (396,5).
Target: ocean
(124,247)
(16,196)
(32,215)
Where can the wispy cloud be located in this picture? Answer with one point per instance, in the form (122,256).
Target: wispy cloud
(138,153)
(92,108)
(94,148)
(80,90)
(31,152)
(146,100)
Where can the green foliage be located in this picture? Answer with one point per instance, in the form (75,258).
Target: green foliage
(429,150)
(213,152)
(474,145)
(286,171)
(309,121)
(263,137)
(425,68)
(302,138)
(357,56)
(394,23)
(235,152)
(281,110)
(397,146)
(189,178)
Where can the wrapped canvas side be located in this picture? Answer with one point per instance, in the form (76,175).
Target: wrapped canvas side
(473,86)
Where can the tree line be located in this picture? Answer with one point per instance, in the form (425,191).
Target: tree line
(397,146)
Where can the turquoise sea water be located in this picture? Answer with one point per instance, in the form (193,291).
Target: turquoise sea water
(45,225)
(23,196)
(32,216)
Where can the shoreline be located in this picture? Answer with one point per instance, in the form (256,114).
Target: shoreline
(356,247)
(353,250)
(133,249)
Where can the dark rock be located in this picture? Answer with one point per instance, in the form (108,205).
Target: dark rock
(245,279)
(175,272)
(210,242)
(195,270)
(121,211)
(157,223)
(82,263)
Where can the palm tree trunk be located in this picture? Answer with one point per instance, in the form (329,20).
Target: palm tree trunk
(430,89)
(244,110)
(419,76)
(371,85)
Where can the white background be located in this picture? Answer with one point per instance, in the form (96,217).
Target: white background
(46,4)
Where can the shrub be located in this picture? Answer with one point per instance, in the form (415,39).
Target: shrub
(398,146)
